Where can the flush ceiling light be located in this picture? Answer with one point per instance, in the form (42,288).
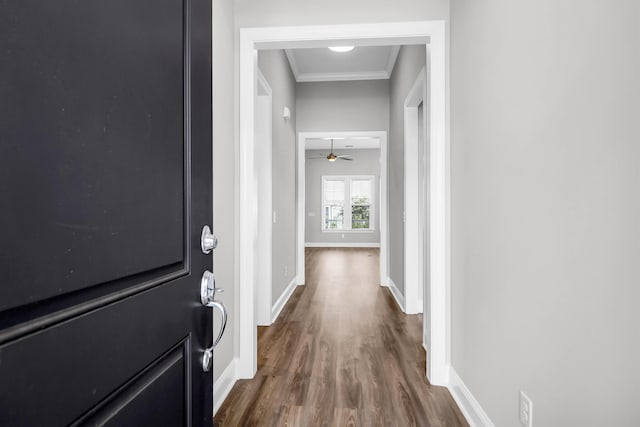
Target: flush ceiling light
(341,48)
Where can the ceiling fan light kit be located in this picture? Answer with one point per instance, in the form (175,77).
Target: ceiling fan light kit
(332,157)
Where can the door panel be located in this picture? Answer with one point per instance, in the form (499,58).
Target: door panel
(158,395)
(105,179)
(93,89)
(111,345)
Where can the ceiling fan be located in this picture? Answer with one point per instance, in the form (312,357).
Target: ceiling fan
(332,157)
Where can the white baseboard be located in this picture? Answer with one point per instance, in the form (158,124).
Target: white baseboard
(280,303)
(396,294)
(225,383)
(340,245)
(468,404)
(384,281)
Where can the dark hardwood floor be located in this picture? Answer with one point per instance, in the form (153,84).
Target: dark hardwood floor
(340,354)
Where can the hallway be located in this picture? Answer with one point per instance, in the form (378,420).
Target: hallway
(340,354)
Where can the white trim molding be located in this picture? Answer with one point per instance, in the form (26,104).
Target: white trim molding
(246,224)
(393,57)
(397,295)
(430,33)
(469,406)
(342,77)
(224,384)
(264,169)
(340,245)
(282,300)
(413,225)
(292,63)
(300,209)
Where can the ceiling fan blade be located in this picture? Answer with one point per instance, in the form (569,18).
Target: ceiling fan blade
(317,157)
(344,158)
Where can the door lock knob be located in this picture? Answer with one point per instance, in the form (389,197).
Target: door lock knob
(208,241)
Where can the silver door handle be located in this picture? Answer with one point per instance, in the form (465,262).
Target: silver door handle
(207,358)
(208,291)
(208,288)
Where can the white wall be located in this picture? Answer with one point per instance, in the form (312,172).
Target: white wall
(411,60)
(224,190)
(546,207)
(343,106)
(365,162)
(275,68)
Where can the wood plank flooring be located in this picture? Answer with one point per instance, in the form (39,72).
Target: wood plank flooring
(340,354)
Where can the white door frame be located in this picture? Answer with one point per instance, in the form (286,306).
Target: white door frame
(413,238)
(300,203)
(432,33)
(264,168)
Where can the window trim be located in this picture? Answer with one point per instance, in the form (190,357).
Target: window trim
(347,203)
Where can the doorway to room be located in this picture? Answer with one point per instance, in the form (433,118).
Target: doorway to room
(327,194)
(429,33)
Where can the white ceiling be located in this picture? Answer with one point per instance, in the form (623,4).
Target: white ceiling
(356,143)
(361,63)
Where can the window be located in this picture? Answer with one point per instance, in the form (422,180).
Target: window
(347,203)
(334,204)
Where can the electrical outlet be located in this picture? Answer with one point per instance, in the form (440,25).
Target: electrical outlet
(526,410)
(286,270)
(274,217)
(343,235)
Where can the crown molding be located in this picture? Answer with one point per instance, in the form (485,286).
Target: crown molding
(393,56)
(343,76)
(338,77)
(292,63)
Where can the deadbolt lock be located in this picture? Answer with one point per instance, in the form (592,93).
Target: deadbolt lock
(208,241)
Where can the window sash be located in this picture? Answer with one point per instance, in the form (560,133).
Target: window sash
(363,207)
(333,217)
(360,217)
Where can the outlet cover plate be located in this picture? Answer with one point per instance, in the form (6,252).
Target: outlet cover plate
(526,410)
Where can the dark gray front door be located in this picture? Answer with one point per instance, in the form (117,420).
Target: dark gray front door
(105,184)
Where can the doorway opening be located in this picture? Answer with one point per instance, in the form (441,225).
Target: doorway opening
(379,216)
(431,33)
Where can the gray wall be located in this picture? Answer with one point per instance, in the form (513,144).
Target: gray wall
(365,162)
(411,60)
(343,106)
(275,68)
(223,174)
(546,206)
